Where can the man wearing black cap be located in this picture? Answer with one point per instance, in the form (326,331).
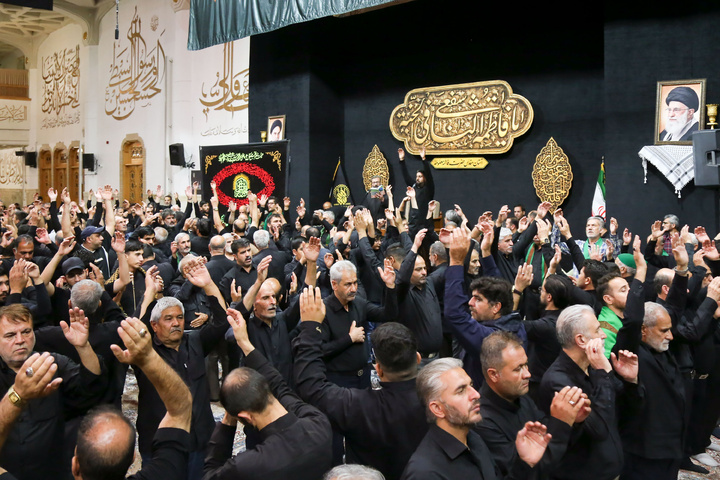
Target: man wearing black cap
(682,103)
(92,239)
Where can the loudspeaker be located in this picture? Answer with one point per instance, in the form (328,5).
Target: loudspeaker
(89,161)
(19,153)
(706,152)
(31,159)
(177,155)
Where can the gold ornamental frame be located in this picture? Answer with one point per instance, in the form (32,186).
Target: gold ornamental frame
(552,174)
(463,119)
(375,165)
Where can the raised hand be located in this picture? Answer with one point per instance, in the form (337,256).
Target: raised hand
(235,293)
(239,327)
(531,442)
(626,365)
(401,154)
(137,340)
(543,209)
(77,332)
(312,307)
(627,237)
(67,246)
(524,277)
(52,194)
(656,230)
(118,242)
(198,275)
(311,249)
(701,234)
(388,274)
(40,383)
(41,235)
(613,226)
(419,237)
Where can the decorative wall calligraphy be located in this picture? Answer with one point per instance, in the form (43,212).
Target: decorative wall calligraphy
(12,169)
(135,73)
(459,162)
(552,175)
(61,120)
(471,118)
(375,165)
(230,91)
(13,113)
(238,169)
(61,82)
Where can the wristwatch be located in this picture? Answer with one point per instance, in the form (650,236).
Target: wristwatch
(516,291)
(15,398)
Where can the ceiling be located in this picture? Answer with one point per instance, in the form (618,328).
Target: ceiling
(20,26)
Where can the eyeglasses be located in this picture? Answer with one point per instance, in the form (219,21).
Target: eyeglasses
(675,110)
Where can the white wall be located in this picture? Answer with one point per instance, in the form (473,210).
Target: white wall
(145,83)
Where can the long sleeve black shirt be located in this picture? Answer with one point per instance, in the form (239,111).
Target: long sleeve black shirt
(382,428)
(419,308)
(297,445)
(339,351)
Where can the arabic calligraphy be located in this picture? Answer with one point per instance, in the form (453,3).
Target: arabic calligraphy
(13,113)
(472,118)
(60,120)
(375,165)
(11,169)
(552,175)
(459,162)
(220,130)
(135,73)
(208,161)
(230,92)
(61,80)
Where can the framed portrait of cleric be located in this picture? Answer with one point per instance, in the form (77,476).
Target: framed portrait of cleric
(680,111)
(276,128)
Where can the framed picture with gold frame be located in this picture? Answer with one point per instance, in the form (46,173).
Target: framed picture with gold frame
(680,111)
(276,128)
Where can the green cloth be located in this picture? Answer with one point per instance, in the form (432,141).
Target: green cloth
(610,324)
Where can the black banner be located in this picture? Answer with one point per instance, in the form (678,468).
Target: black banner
(340,194)
(260,168)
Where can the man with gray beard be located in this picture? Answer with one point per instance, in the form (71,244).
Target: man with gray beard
(682,103)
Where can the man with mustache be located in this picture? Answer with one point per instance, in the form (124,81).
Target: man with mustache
(451,449)
(185,353)
(682,103)
(418,302)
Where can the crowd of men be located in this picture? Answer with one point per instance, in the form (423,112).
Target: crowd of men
(360,342)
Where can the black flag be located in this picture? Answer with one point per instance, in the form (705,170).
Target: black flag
(340,195)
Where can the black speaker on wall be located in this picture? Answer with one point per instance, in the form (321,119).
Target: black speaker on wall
(706,152)
(31,159)
(177,155)
(89,161)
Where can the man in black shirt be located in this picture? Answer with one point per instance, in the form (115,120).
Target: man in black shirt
(506,407)
(106,439)
(185,352)
(33,421)
(451,450)
(595,449)
(344,349)
(418,301)
(382,427)
(295,437)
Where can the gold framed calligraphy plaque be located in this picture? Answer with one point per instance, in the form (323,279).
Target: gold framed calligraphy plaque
(552,175)
(466,119)
(375,165)
(459,163)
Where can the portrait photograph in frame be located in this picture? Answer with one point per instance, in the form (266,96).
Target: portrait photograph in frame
(680,111)
(276,128)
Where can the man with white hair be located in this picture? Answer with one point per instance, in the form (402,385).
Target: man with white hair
(353,472)
(680,123)
(595,449)
(451,449)
(185,352)
(261,239)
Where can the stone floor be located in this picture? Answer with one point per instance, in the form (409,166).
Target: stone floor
(130,402)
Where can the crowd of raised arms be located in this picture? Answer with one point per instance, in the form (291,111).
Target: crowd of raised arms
(380,340)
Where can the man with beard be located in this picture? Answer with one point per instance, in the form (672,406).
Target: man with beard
(451,449)
(491,306)
(682,103)
(505,405)
(418,302)
(424,185)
